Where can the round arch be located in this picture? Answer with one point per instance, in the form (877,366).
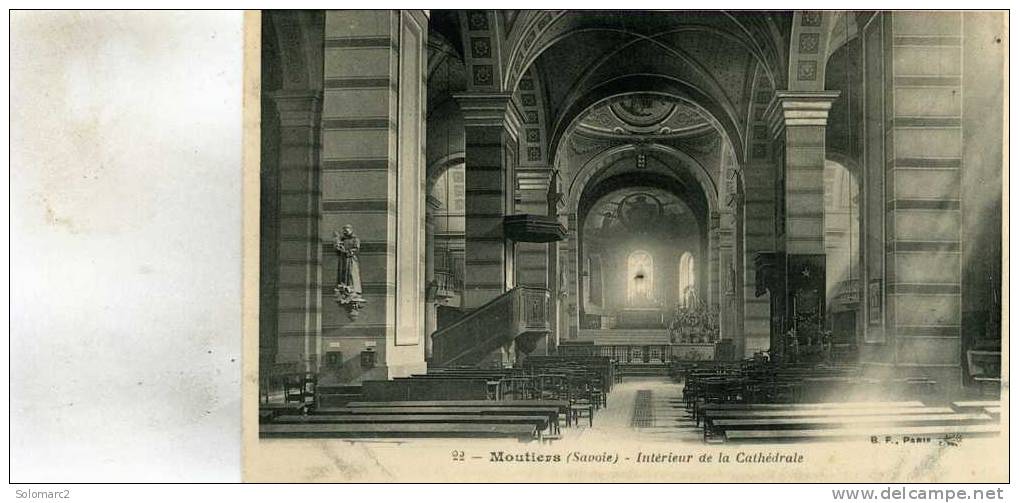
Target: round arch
(724,120)
(578,184)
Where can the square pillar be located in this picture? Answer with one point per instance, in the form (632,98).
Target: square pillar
(491,123)
(759,222)
(299,299)
(913,179)
(798,120)
(373,177)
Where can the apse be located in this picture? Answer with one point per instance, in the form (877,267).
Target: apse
(636,241)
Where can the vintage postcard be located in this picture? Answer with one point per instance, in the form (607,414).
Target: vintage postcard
(621,246)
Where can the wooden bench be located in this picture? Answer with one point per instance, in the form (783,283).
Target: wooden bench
(429,388)
(713,415)
(562,405)
(284,409)
(541,423)
(700,410)
(524,432)
(464,403)
(552,413)
(772,436)
(975,404)
(715,421)
(808,423)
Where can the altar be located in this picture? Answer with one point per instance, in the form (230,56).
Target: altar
(640,318)
(694,352)
(637,346)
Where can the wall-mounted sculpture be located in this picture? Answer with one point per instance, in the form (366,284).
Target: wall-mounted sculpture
(348,272)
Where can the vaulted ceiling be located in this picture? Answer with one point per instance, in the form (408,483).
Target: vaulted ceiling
(580,73)
(707,58)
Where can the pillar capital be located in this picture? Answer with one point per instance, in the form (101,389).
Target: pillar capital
(799,108)
(490,110)
(297,107)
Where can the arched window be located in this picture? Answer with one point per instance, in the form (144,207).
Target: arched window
(640,270)
(687,279)
(842,230)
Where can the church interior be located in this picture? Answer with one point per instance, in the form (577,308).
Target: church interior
(716,226)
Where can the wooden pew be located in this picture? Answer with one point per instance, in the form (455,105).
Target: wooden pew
(399,430)
(975,404)
(540,422)
(949,431)
(284,409)
(439,388)
(726,426)
(700,410)
(562,405)
(466,403)
(551,412)
(715,421)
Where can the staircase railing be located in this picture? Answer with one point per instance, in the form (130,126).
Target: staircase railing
(522,311)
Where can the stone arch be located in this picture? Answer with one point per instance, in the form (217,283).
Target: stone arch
(808,49)
(482,48)
(842,29)
(298,39)
(724,120)
(581,179)
(523,50)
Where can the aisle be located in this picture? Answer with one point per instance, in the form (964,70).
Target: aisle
(645,409)
(669,419)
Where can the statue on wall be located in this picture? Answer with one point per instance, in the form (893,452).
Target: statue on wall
(348,271)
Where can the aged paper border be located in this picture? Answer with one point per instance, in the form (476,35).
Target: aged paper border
(975,460)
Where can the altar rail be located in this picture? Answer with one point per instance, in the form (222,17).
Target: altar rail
(648,353)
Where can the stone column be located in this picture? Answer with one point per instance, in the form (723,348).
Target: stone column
(714,282)
(798,120)
(759,224)
(491,123)
(552,344)
(373,177)
(300,299)
(569,263)
(431,303)
(727,323)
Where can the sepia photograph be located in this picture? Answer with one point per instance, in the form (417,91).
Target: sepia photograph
(668,230)
(360,250)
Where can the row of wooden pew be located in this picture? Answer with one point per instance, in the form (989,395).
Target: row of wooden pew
(521,419)
(532,401)
(753,401)
(878,421)
(762,383)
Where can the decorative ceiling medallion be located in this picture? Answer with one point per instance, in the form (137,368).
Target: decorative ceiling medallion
(642,112)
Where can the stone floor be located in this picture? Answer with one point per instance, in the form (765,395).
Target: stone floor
(668,422)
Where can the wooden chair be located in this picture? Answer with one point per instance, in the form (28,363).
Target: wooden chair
(985,370)
(582,408)
(293,388)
